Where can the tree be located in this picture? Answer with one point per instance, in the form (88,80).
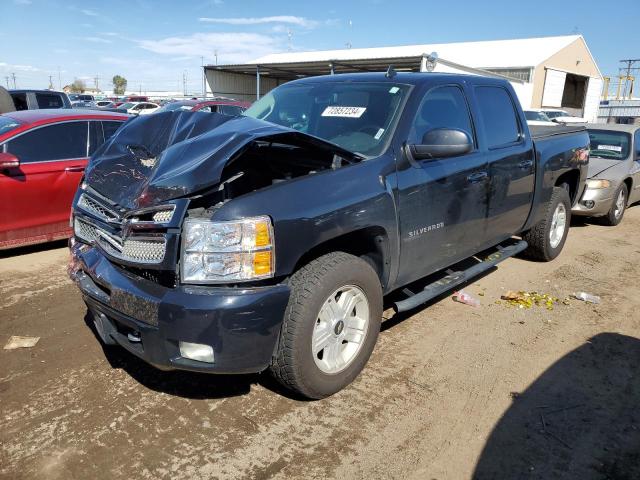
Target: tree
(78,86)
(119,85)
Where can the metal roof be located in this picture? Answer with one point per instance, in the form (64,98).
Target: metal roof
(518,53)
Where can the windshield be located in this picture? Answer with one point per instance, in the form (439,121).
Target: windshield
(536,116)
(555,114)
(609,144)
(127,105)
(358,117)
(7,124)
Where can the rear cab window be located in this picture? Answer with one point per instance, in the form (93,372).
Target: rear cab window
(20,101)
(498,114)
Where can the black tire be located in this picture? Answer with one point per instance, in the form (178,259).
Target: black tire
(538,237)
(294,366)
(611,219)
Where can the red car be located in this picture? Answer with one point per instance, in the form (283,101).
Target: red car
(43,154)
(226,107)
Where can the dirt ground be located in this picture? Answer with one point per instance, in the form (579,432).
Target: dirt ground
(451,391)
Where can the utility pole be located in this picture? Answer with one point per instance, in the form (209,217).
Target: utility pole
(50,82)
(7,79)
(204,79)
(215,54)
(13,75)
(96,79)
(184,83)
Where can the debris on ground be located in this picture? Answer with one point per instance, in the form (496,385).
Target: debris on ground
(586,297)
(17,341)
(466,298)
(523,299)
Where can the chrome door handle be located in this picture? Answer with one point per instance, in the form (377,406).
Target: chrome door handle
(477,177)
(525,164)
(74,169)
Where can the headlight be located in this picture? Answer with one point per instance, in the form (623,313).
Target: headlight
(224,252)
(598,184)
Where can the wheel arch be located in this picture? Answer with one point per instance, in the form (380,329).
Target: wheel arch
(572,180)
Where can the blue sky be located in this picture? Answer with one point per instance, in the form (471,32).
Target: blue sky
(152,43)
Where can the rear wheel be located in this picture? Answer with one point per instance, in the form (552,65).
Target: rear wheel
(331,325)
(615,214)
(546,239)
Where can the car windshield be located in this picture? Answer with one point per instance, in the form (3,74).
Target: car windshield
(609,144)
(169,107)
(536,116)
(7,124)
(127,105)
(359,117)
(556,114)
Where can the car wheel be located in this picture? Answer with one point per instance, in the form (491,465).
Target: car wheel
(615,214)
(546,239)
(331,325)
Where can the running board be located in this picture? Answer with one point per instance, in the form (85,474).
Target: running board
(454,278)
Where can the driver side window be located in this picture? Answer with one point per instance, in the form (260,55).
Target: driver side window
(636,143)
(442,107)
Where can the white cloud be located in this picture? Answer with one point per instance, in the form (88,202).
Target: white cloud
(89,13)
(96,40)
(109,34)
(18,68)
(288,19)
(22,2)
(230,47)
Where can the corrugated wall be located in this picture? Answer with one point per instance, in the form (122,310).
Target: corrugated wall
(238,86)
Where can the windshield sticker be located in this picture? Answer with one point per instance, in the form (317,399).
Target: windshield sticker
(613,148)
(379,134)
(394,90)
(347,112)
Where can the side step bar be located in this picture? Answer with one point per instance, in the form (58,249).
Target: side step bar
(453,279)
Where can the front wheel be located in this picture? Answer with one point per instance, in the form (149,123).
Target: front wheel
(331,325)
(546,239)
(615,214)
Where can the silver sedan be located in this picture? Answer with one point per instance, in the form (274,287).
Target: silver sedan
(613,180)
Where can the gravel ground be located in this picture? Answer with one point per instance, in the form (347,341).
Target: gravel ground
(451,391)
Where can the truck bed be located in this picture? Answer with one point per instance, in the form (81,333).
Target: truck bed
(539,131)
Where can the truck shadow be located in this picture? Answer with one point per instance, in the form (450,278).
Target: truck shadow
(38,247)
(579,419)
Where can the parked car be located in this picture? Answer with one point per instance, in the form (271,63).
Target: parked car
(82,104)
(267,241)
(614,172)
(538,118)
(43,154)
(136,98)
(562,116)
(104,103)
(218,106)
(138,108)
(39,99)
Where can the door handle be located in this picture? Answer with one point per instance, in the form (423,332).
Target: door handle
(525,164)
(74,169)
(477,177)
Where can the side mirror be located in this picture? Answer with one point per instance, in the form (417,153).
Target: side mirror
(442,143)
(8,160)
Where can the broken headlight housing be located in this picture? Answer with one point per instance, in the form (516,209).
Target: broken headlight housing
(227,252)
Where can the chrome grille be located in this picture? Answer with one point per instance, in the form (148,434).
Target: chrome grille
(163,216)
(143,250)
(89,205)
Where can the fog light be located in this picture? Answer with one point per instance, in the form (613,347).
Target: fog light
(589,203)
(197,351)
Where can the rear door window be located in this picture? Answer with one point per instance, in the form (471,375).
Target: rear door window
(498,116)
(109,128)
(232,110)
(62,141)
(49,100)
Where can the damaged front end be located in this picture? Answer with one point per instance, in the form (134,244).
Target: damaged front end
(159,169)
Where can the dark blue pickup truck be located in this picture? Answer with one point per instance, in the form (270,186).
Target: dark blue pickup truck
(267,242)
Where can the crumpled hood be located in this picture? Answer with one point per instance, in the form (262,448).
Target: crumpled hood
(167,155)
(600,165)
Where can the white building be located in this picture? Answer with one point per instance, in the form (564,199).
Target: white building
(554,72)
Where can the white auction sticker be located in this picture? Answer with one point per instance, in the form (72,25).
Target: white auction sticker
(348,112)
(613,148)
